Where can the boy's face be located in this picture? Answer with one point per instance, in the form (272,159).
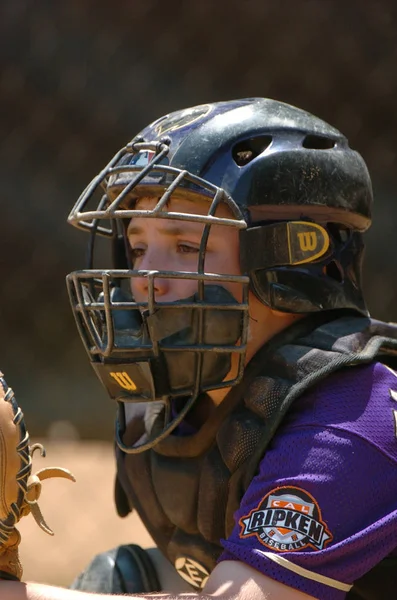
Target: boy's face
(173,245)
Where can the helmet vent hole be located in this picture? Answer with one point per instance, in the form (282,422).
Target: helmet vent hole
(244,152)
(317,142)
(334,270)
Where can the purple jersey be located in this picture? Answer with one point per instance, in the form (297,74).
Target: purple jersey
(322,510)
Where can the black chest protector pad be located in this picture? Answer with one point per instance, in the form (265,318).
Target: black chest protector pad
(186,489)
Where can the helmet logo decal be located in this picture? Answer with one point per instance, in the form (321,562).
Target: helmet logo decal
(287,519)
(192,571)
(306,241)
(124,380)
(182,119)
(141,159)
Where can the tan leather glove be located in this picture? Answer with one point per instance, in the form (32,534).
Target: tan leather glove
(19,489)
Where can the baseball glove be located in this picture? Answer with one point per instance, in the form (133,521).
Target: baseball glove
(19,489)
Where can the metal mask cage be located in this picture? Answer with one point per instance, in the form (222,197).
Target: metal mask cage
(119,184)
(95,320)
(90,294)
(103,209)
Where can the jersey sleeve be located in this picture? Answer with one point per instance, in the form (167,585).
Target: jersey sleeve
(322,510)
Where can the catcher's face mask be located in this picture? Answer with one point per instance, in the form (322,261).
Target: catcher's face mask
(162,323)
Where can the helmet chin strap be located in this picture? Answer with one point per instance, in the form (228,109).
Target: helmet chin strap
(153,413)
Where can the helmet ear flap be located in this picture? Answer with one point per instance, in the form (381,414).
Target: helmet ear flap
(329,284)
(276,289)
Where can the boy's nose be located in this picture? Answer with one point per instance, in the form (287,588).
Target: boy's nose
(152,262)
(161,286)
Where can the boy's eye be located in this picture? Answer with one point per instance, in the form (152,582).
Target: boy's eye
(186,248)
(137,253)
(180,248)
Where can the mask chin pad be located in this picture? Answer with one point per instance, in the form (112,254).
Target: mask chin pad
(180,326)
(182,348)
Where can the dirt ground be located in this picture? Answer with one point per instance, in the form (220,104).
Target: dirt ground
(82,514)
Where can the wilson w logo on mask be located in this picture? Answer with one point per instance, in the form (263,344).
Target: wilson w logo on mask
(123,380)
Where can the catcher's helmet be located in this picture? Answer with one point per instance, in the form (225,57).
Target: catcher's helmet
(299,195)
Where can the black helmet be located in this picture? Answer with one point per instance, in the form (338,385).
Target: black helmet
(300,196)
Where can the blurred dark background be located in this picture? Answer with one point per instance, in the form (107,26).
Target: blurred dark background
(78,79)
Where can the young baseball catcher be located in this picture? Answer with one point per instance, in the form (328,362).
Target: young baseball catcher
(256,398)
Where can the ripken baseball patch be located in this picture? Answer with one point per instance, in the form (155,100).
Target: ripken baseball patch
(287,519)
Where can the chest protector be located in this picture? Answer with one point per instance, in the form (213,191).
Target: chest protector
(186,489)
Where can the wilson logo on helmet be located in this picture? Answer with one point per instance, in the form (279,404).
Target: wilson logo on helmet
(124,380)
(306,242)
